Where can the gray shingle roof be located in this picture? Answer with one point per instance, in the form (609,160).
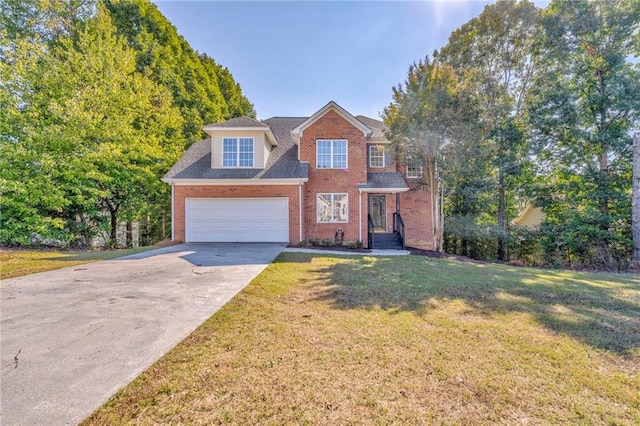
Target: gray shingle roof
(371,122)
(282,163)
(378,127)
(238,122)
(283,160)
(384,180)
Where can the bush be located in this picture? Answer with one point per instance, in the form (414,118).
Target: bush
(356,244)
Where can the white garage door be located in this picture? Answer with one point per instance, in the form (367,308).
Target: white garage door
(237,220)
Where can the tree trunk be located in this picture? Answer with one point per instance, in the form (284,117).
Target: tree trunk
(635,204)
(501,215)
(114,228)
(603,186)
(434,189)
(129,235)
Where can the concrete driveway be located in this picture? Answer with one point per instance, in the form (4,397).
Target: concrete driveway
(71,338)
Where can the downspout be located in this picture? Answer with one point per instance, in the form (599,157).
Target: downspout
(360,215)
(300,209)
(173,219)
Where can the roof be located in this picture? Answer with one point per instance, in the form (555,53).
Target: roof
(377,127)
(384,180)
(331,106)
(236,123)
(282,163)
(242,124)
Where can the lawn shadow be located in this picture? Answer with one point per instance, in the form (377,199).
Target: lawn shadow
(601,310)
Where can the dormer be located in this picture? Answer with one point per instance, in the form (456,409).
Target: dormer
(240,143)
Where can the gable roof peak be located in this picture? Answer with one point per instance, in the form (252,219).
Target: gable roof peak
(331,106)
(242,124)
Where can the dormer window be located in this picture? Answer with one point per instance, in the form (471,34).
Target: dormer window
(237,152)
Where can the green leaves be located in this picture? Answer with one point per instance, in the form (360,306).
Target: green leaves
(584,104)
(93,114)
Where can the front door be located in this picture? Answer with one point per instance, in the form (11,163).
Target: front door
(378,212)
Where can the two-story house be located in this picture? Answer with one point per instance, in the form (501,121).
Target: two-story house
(289,179)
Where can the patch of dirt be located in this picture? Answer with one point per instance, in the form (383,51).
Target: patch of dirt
(167,243)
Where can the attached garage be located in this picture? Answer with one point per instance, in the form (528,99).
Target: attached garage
(237,220)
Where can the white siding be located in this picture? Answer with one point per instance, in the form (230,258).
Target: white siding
(258,143)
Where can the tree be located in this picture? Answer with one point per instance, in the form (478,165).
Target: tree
(493,51)
(581,110)
(428,111)
(89,130)
(635,204)
(203,91)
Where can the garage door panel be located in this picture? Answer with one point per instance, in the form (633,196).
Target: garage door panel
(237,220)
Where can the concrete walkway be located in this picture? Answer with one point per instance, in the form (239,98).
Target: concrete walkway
(71,338)
(349,253)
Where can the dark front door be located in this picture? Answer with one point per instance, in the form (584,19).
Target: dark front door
(378,212)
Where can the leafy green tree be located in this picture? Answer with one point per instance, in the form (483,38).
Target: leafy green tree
(238,105)
(492,52)
(635,204)
(43,21)
(429,111)
(31,200)
(583,106)
(203,91)
(89,133)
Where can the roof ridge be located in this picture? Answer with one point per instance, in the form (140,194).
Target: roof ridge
(278,116)
(242,120)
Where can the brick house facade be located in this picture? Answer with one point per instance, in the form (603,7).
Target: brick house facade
(298,178)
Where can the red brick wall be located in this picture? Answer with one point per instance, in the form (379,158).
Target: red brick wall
(414,204)
(388,167)
(333,126)
(247,191)
(415,208)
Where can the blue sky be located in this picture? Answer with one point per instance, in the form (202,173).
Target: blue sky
(291,58)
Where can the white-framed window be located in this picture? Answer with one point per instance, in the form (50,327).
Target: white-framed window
(237,152)
(377,156)
(332,208)
(414,168)
(331,154)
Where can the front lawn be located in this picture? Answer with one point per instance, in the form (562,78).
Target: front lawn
(317,339)
(18,262)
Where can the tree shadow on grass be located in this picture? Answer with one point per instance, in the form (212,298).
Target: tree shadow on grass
(601,310)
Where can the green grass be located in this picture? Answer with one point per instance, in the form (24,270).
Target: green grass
(18,262)
(327,340)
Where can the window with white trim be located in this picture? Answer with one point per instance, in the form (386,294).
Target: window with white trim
(414,168)
(332,208)
(237,152)
(331,154)
(377,156)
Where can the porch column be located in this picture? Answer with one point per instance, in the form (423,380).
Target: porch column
(395,225)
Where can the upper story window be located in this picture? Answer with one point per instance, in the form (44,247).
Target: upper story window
(377,156)
(331,154)
(414,168)
(332,208)
(237,152)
